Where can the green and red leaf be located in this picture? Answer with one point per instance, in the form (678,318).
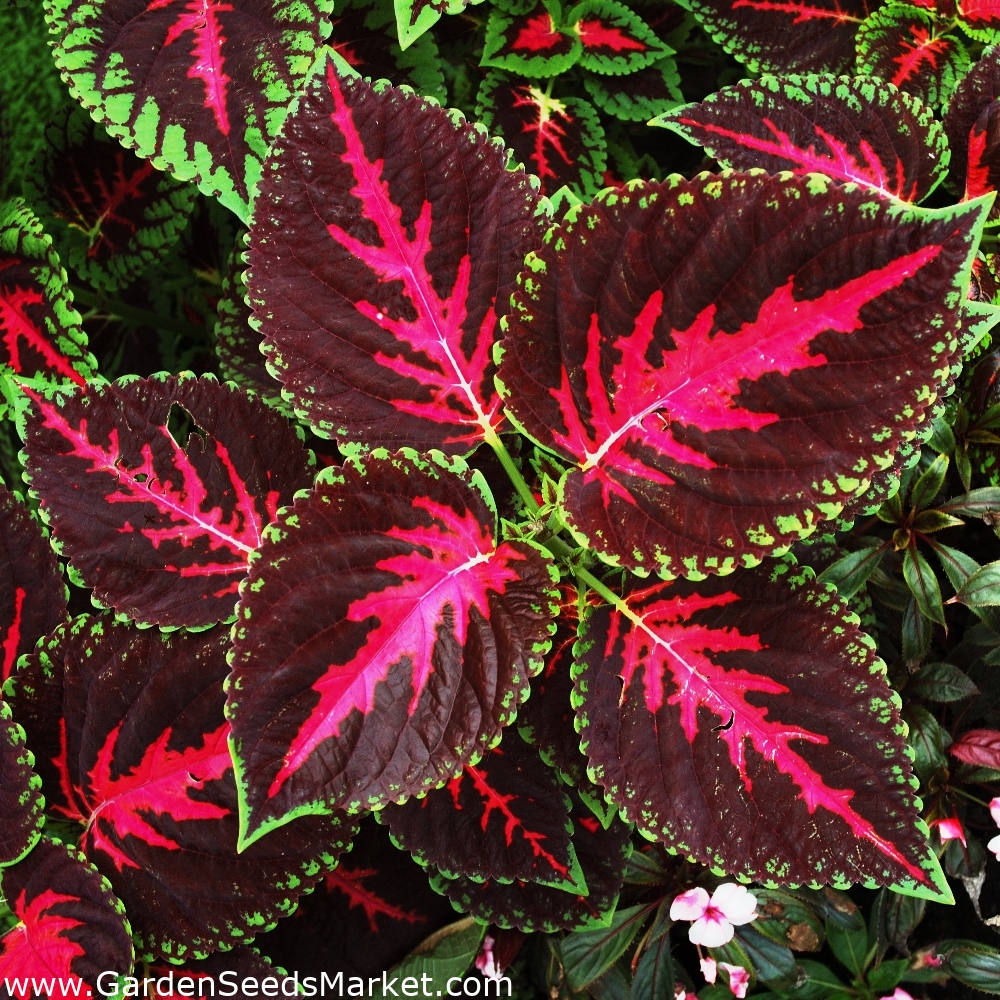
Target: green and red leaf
(980,19)
(504,818)
(639,96)
(32,592)
(110,213)
(249,966)
(560,140)
(21,801)
(70,927)
(382,332)
(40,334)
(747,723)
(364,917)
(852,130)
(534,44)
(785,36)
(148,766)
(162,530)
(198,86)
(909,48)
(530,906)
(414,17)
(385,637)
(724,365)
(614,40)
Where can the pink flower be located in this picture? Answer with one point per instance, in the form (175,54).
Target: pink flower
(713,919)
(995,810)
(709,969)
(739,979)
(898,994)
(949,829)
(485,961)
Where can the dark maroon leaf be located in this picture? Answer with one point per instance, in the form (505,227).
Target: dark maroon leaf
(504,818)
(977,90)
(149,768)
(528,906)
(978,746)
(110,213)
(730,360)
(786,36)
(32,592)
(199,86)
(384,639)
(162,531)
(911,49)
(40,332)
(560,140)
(983,171)
(707,725)
(852,130)
(21,801)
(247,970)
(70,926)
(382,332)
(363,917)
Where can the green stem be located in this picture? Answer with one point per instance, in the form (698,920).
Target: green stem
(132,316)
(513,473)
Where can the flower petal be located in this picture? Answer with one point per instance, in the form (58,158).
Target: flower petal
(711,932)
(995,810)
(737,905)
(994,846)
(689,905)
(739,979)
(709,970)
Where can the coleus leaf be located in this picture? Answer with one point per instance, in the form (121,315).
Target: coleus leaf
(40,332)
(364,917)
(161,530)
(785,36)
(172,80)
(364,35)
(529,906)
(504,818)
(385,637)
(639,96)
(110,213)
(665,481)
(249,966)
(32,592)
(382,332)
(148,767)
(560,140)
(614,40)
(21,801)
(704,723)
(980,19)
(70,927)
(533,44)
(237,343)
(856,130)
(414,17)
(909,48)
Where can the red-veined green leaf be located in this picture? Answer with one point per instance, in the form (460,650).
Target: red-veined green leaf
(980,747)
(382,332)
(785,36)
(710,710)
(723,363)
(638,96)
(414,17)
(160,529)
(148,766)
(364,917)
(560,140)
(923,584)
(110,213)
(21,801)
(982,588)
(852,130)
(614,40)
(941,683)
(198,86)
(533,44)
(910,49)
(851,572)
(364,35)
(529,906)
(70,927)
(385,637)
(40,332)
(504,818)
(32,591)
(979,88)
(980,19)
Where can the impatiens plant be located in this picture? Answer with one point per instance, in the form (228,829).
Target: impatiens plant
(560,544)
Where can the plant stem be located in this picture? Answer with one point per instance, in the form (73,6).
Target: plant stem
(132,316)
(513,473)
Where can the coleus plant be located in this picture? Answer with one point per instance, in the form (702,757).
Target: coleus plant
(553,582)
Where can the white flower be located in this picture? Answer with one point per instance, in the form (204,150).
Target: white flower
(713,919)
(739,979)
(709,970)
